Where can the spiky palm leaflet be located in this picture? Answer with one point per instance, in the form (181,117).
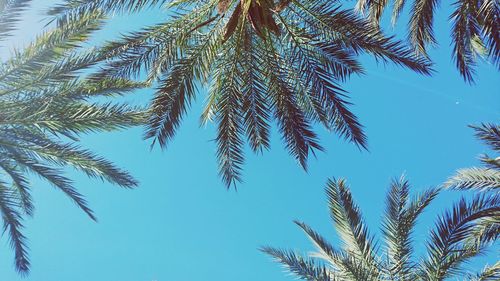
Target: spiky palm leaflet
(262,61)
(475,31)
(46,103)
(458,236)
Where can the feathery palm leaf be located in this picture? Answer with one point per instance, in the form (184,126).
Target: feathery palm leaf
(450,244)
(490,273)
(459,235)
(475,32)
(46,103)
(487,178)
(262,60)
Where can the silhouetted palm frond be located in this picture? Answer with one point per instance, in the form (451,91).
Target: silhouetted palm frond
(262,61)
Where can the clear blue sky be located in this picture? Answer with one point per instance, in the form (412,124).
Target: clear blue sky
(181,224)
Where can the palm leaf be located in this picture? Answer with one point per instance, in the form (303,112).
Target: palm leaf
(349,222)
(447,248)
(475,178)
(304,269)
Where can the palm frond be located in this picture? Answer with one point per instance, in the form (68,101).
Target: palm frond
(488,15)
(464,31)
(20,185)
(421,32)
(475,178)
(401,216)
(491,163)
(489,273)
(293,123)
(349,223)
(255,104)
(227,87)
(447,248)
(490,134)
(305,269)
(71,8)
(344,264)
(12,220)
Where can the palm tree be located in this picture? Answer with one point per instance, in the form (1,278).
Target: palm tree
(475,32)
(261,60)
(459,235)
(484,178)
(44,108)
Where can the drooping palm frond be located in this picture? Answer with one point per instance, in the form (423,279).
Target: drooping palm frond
(12,220)
(262,61)
(459,235)
(46,103)
(487,178)
(475,32)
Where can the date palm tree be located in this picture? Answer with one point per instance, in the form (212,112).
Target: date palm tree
(475,31)
(460,234)
(261,60)
(481,178)
(46,103)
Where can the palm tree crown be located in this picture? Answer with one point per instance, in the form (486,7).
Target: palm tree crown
(459,235)
(261,60)
(475,29)
(44,107)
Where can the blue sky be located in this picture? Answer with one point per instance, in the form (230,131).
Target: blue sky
(182,224)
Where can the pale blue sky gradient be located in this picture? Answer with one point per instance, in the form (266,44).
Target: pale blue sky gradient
(181,224)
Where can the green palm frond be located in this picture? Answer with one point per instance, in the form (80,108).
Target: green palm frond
(70,8)
(474,30)
(475,178)
(47,100)
(488,14)
(12,220)
(491,163)
(303,268)
(490,134)
(448,248)
(401,216)
(349,222)
(467,231)
(487,178)
(489,273)
(465,30)
(344,265)
(261,61)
